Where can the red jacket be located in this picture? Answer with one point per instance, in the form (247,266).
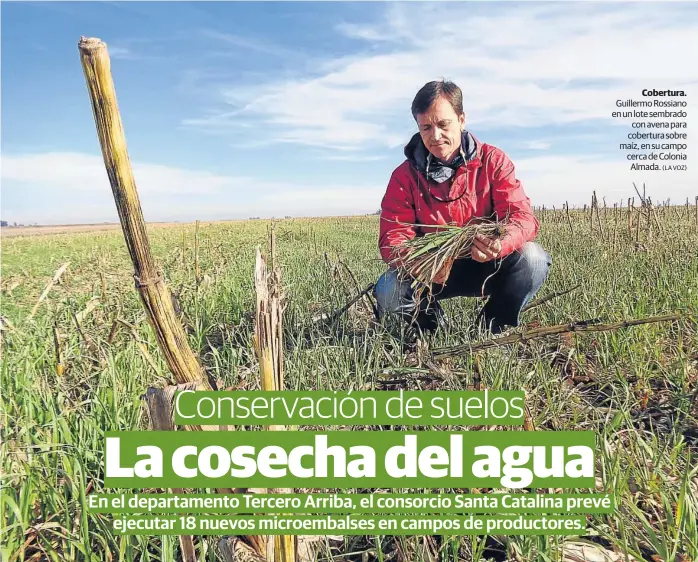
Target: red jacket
(484,184)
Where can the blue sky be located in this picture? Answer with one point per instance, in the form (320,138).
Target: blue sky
(237,109)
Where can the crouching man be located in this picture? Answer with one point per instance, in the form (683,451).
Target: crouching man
(450,177)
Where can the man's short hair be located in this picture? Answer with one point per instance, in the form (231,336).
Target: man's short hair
(431,91)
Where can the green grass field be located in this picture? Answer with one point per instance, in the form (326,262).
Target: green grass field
(636,387)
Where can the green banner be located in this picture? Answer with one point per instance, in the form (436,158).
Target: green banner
(349,459)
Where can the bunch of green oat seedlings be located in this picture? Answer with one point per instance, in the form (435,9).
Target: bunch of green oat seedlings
(423,257)
(640,398)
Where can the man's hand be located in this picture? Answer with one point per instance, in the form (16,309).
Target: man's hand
(443,275)
(485,248)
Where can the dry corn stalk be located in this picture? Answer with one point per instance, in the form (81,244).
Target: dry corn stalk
(158,405)
(543,331)
(234,549)
(155,296)
(583,551)
(89,308)
(56,277)
(60,368)
(268,343)
(268,336)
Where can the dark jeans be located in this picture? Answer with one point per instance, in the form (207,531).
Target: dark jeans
(510,283)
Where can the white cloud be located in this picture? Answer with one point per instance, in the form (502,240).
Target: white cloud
(522,67)
(351,157)
(77,190)
(250,44)
(169,194)
(76,171)
(334,200)
(553,180)
(536,145)
(121,53)
(529,65)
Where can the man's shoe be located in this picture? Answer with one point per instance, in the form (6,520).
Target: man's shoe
(485,327)
(432,318)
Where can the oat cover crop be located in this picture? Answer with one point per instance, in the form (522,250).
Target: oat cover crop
(79,366)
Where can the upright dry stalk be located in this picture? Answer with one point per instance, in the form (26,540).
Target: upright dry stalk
(159,412)
(637,225)
(569,220)
(234,550)
(268,342)
(154,294)
(196,255)
(630,216)
(268,322)
(655,216)
(598,216)
(60,368)
(112,332)
(598,219)
(620,211)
